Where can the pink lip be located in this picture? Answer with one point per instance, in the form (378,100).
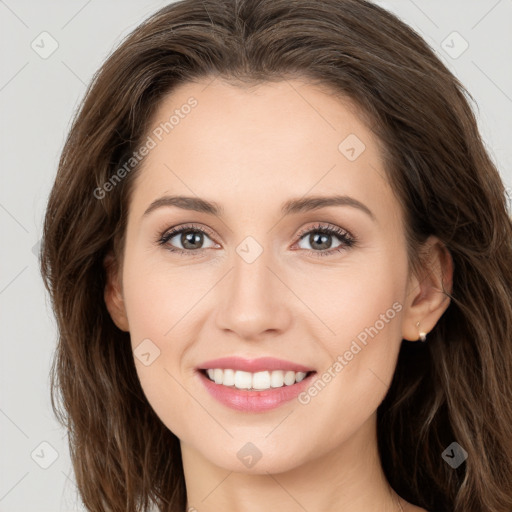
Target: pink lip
(254,401)
(253,365)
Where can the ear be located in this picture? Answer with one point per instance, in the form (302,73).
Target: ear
(427,298)
(113,292)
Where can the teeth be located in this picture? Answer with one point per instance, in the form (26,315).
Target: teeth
(255,381)
(289,378)
(228,378)
(277,379)
(217,376)
(243,380)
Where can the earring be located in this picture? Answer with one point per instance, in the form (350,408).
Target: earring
(423,335)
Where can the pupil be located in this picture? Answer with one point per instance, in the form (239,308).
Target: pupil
(190,238)
(321,239)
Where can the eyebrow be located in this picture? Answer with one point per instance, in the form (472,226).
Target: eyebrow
(290,207)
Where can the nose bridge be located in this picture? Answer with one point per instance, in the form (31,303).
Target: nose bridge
(250,279)
(252,301)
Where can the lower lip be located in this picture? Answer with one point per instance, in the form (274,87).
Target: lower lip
(254,401)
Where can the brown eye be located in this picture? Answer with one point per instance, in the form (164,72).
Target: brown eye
(191,239)
(325,240)
(185,239)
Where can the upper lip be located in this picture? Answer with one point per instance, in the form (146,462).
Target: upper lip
(253,365)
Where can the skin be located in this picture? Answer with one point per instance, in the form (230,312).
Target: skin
(250,150)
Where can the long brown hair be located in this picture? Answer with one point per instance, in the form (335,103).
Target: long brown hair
(455,388)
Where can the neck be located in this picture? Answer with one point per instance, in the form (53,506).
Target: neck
(347,478)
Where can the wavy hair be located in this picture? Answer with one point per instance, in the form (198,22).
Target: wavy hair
(457,387)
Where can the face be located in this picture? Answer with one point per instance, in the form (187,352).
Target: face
(319,284)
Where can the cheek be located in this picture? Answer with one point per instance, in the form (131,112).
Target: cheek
(161,304)
(352,298)
(158,318)
(364,314)
(160,297)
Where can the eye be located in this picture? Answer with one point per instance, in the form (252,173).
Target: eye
(320,239)
(190,240)
(187,238)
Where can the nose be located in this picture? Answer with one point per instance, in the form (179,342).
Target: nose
(253,300)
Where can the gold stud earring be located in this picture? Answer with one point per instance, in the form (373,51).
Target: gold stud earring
(423,335)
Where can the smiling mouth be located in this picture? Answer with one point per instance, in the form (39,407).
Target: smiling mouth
(254,381)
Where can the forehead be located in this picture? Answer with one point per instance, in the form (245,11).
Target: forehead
(268,118)
(272,141)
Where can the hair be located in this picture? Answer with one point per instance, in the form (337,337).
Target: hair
(456,387)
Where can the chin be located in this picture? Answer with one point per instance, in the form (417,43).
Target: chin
(254,458)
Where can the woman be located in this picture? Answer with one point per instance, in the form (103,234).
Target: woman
(280,259)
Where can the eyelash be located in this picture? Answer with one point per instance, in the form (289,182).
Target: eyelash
(345,237)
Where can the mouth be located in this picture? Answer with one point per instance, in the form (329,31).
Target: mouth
(254,381)
(254,386)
